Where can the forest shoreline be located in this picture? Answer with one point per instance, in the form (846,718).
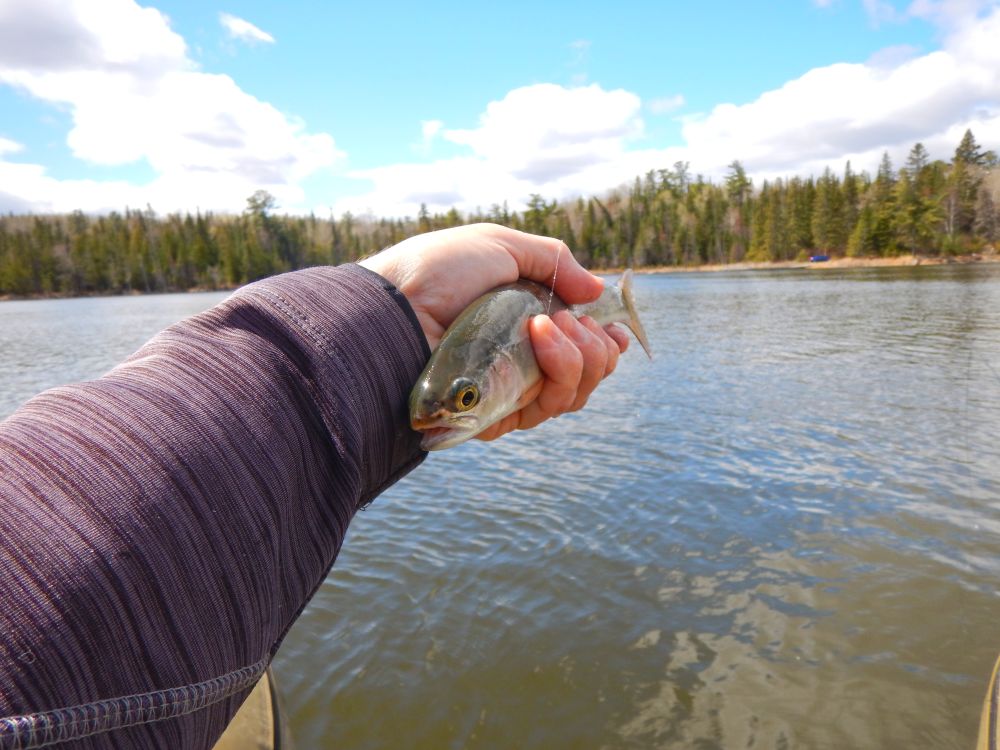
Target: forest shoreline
(124,293)
(833,263)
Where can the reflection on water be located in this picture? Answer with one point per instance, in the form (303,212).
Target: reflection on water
(783,532)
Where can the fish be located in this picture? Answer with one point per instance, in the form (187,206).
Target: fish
(485,362)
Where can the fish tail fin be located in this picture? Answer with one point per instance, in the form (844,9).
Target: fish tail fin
(633,322)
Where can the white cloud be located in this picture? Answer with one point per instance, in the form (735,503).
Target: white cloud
(243,30)
(134,96)
(949,14)
(882,11)
(857,111)
(430,128)
(888,58)
(538,139)
(666,104)
(545,131)
(27,187)
(8,146)
(49,36)
(563,142)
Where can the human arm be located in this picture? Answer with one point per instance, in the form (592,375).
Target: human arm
(163,526)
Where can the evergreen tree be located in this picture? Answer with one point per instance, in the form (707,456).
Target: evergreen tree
(739,190)
(423,219)
(917,160)
(883,207)
(801,200)
(537,213)
(862,240)
(760,247)
(916,216)
(664,217)
(851,200)
(828,228)
(966,177)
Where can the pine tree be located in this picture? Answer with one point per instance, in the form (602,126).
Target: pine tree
(917,160)
(739,190)
(828,228)
(760,247)
(917,216)
(536,214)
(883,206)
(802,200)
(587,243)
(852,185)
(665,217)
(423,219)
(862,240)
(966,177)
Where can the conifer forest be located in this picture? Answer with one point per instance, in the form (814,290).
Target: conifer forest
(669,217)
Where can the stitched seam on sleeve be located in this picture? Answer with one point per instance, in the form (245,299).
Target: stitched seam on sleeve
(30,731)
(318,337)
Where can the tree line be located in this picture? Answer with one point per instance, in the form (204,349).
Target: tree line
(669,217)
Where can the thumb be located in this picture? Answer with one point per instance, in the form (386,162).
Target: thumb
(549,261)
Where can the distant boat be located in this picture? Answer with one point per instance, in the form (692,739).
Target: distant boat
(819,258)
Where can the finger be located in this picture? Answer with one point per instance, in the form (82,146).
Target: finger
(595,355)
(619,335)
(512,421)
(531,394)
(508,424)
(611,349)
(561,363)
(549,261)
(522,419)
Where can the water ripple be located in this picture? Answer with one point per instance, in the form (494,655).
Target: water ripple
(784,532)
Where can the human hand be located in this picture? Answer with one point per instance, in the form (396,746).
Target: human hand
(441,273)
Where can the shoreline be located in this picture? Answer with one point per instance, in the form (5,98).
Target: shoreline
(126,293)
(838,263)
(777,265)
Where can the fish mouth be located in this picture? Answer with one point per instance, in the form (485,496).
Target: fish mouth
(437,436)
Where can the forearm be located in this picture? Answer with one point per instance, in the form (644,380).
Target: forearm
(164,525)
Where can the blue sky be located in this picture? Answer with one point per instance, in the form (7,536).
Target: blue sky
(376,108)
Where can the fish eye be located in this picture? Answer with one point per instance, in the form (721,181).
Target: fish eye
(466,395)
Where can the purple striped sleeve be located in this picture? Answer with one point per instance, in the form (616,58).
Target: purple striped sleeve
(163,526)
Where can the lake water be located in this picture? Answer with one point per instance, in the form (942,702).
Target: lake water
(783,532)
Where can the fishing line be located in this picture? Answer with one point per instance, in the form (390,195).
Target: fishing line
(552,289)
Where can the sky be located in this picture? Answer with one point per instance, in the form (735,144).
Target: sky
(377,108)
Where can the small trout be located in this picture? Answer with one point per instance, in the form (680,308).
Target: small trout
(485,361)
